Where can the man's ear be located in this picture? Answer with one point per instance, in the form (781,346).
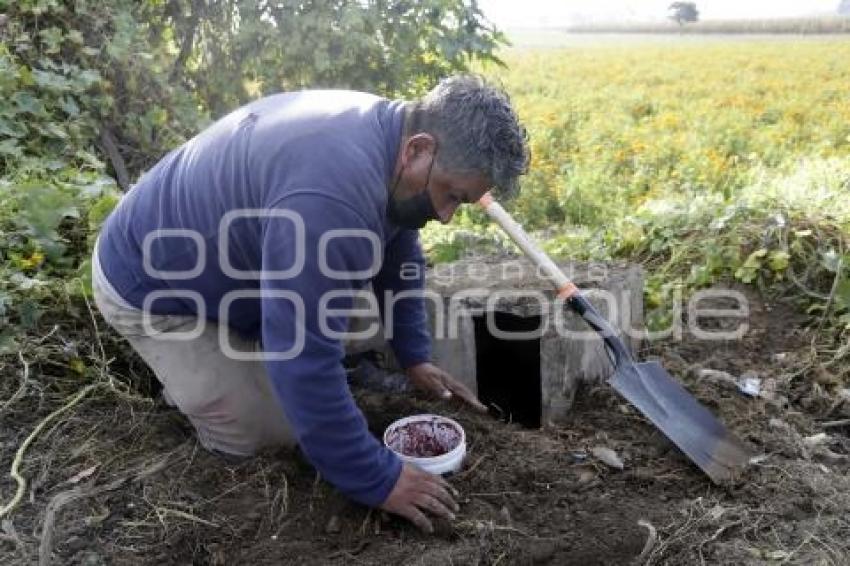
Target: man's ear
(417,145)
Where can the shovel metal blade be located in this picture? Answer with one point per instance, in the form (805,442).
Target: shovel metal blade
(682,419)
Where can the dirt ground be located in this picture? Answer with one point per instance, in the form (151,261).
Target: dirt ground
(119,479)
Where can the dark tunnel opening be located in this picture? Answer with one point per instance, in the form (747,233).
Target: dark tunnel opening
(508,368)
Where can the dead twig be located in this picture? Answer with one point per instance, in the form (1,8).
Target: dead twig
(110,147)
(471,469)
(315,491)
(839,271)
(494,493)
(365,525)
(42,339)
(164,511)
(63,498)
(719,531)
(21,388)
(11,535)
(103,362)
(56,503)
(651,540)
(283,494)
(490,526)
(350,554)
(19,455)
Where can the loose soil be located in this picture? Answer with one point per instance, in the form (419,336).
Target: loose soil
(120,479)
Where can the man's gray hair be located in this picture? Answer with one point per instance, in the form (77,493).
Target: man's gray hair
(476,128)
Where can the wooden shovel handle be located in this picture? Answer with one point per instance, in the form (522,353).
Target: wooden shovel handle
(566,288)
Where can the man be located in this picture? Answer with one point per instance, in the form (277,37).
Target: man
(231,265)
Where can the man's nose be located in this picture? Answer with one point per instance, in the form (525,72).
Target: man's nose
(447,212)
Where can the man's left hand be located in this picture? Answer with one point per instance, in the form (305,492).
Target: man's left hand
(431,379)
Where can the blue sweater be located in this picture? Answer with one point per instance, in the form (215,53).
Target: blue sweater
(258,195)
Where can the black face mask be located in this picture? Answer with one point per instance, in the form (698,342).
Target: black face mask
(416,211)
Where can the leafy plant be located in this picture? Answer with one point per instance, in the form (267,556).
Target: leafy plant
(93,88)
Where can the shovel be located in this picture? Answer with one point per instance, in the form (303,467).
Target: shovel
(647,386)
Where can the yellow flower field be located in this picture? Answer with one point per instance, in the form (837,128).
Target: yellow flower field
(703,161)
(613,126)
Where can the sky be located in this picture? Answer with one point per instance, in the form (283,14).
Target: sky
(554,13)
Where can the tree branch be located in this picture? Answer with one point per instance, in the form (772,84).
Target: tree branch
(110,147)
(188,42)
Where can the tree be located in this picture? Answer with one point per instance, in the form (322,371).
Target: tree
(684,12)
(133,78)
(393,47)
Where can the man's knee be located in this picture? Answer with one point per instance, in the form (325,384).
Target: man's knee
(230,424)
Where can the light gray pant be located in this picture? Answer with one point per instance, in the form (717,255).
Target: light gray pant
(230,402)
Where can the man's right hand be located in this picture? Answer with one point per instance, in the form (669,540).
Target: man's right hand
(416,492)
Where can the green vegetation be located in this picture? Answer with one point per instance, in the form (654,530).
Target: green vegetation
(95,91)
(707,163)
(713,163)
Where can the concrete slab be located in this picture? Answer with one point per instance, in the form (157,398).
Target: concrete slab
(569,352)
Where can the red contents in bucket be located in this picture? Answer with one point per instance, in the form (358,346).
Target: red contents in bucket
(424,439)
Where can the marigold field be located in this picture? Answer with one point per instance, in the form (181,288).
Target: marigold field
(614,127)
(704,160)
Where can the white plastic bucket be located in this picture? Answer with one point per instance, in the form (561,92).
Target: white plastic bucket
(450,461)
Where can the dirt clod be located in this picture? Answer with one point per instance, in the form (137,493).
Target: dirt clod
(333,526)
